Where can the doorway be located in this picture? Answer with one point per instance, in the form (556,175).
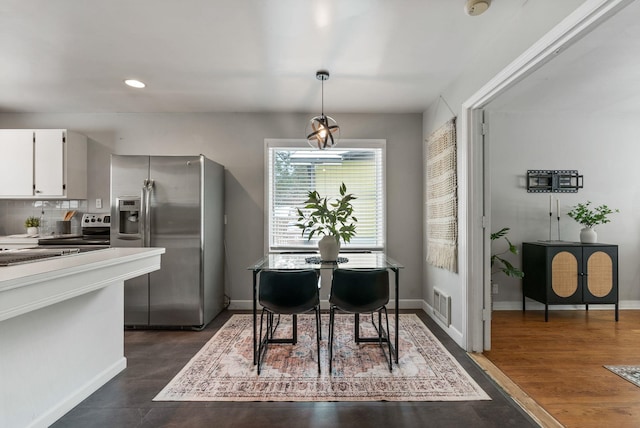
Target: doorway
(476,188)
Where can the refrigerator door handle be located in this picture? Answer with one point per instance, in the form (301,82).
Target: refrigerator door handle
(146,226)
(143,217)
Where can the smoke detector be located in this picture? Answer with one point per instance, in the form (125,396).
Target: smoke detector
(476,7)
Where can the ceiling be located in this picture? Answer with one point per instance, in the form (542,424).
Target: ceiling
(262,55)
(599,73)
(237,56)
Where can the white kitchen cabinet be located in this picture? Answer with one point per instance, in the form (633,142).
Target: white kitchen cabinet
(16,162)
(43,164)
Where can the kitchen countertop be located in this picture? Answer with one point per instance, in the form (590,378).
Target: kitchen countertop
(28,238)
(19,239)
(61,329)
(31,240)
(16,297)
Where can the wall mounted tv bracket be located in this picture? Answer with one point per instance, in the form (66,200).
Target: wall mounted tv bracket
(553,181)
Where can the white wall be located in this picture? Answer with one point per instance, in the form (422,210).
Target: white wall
(533,20)
(604,148)
(237,142)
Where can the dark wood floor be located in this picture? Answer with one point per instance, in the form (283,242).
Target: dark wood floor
(560,363)
(154,357)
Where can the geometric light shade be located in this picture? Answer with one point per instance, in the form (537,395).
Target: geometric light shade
(322,131)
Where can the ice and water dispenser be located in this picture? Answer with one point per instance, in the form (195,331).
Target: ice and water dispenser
(128,212)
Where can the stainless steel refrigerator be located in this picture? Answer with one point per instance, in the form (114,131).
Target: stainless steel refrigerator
(175,202)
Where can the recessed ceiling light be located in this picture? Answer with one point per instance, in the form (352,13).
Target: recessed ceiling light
(134,83)
(477,7)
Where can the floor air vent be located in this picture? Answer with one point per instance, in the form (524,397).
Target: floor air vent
(442,306)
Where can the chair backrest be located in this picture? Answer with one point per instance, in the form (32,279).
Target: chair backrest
(288,291)
(359,290)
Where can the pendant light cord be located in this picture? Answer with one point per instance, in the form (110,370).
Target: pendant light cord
(322,97)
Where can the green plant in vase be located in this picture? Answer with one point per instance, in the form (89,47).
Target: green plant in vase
(589,218)
(32,224)
(334,221)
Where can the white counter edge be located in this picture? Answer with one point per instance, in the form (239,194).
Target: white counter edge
(27,287)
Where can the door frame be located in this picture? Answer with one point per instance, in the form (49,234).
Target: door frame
(475,223)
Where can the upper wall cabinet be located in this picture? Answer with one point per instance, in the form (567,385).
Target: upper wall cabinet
(43,164)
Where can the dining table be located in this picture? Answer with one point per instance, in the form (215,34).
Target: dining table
(348,260)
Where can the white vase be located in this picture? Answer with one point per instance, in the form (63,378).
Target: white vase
(32,230)
(588,236)
(329,248)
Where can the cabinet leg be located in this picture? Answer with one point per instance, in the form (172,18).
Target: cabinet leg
(586,307)
(546,312)
(616,312)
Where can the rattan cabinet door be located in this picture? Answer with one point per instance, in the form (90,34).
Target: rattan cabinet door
(564,285)
(600,269)
(564,274)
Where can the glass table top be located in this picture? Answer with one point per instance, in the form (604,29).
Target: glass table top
(294,261)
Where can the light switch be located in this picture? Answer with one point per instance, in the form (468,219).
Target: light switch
(98,203)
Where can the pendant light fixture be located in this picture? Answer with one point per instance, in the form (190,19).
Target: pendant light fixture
(322,131)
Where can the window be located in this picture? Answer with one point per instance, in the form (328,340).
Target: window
(293,169)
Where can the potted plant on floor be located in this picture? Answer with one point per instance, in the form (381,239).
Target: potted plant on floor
(504,265)
(334,221)
(589,218)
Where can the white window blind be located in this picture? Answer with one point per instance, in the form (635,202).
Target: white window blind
(293,170)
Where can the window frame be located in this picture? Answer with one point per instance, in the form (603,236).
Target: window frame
(343,144)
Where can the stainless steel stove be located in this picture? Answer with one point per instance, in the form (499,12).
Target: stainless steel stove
(95,233)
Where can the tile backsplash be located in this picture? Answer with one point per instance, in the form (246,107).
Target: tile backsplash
(13,213)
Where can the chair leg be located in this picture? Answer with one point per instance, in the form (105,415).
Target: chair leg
(331,321)
(379,328)
(319,287)
(386,317)
(383,334)
(274,324)
(270,327)
(295,328)
(262,344)
(317,311)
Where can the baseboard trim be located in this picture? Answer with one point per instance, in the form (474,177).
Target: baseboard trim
(77,396)
(453,332)
(247,305)
(537,306)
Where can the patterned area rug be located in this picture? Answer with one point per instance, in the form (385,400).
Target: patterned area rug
(223,369)
(630,373)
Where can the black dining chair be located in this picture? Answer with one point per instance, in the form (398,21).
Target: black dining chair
(287,292)
(361,291)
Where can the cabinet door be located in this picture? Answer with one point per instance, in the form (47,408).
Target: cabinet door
(601,274)
(16,162)
(565,276)
(49,162)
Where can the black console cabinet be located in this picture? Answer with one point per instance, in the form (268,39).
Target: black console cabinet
(560,272)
